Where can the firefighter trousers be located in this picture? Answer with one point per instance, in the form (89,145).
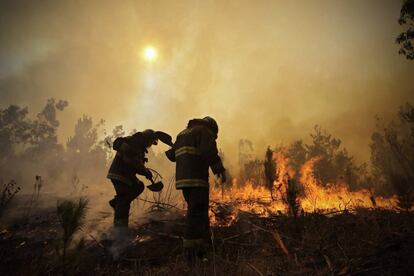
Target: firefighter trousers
(125,194)
(198,223)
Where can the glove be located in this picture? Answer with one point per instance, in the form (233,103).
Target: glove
(222,176)
(148,174)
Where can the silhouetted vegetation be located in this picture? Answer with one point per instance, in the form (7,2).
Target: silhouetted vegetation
(334,164)
(311,243)
(298,154)
(253,172)
(377,242)
(71,216)
(8,192)
(270,170)
(405,39)
(29,146)
(292,197)
(392,156)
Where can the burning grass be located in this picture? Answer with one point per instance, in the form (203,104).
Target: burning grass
(285,196)
(365,242)
(297,226)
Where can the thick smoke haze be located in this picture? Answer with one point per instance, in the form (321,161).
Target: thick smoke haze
(267,71)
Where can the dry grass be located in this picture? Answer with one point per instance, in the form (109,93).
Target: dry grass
(7,193)
(367,242)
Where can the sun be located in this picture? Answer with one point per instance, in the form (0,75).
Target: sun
(150,53)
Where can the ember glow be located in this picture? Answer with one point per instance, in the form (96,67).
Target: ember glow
(316,197)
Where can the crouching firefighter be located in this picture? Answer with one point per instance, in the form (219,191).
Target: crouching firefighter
(130,160)
(195,151)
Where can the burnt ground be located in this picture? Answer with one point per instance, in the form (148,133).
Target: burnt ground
(364,242)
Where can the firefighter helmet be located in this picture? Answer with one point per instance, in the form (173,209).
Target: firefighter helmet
(212,124)
(152,137)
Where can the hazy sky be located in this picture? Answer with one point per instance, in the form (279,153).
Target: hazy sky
(266,70)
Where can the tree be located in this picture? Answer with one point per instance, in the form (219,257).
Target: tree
(270,170)
(29,145)
(392,156)
(297,154)
(85,154)
(85,136)
(15,129)
(107,142)
(405,38)
(335,163)
(44,128)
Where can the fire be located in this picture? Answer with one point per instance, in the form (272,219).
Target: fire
(327,198)
(335,196)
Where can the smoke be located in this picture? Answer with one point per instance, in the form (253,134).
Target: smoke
(267,71)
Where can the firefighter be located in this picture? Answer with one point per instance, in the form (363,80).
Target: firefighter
(130,160)
(195,151)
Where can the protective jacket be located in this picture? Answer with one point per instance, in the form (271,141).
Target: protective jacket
(129,159)
(194,151)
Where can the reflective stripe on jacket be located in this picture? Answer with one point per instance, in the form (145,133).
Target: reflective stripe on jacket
(194,151)
(128,161)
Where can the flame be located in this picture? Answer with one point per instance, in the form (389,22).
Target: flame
(258,200)
(336,196)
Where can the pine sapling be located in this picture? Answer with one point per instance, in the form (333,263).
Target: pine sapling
(71,217)
(270,170)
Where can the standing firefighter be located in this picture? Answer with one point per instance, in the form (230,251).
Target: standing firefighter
(194,152)
(130,160)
